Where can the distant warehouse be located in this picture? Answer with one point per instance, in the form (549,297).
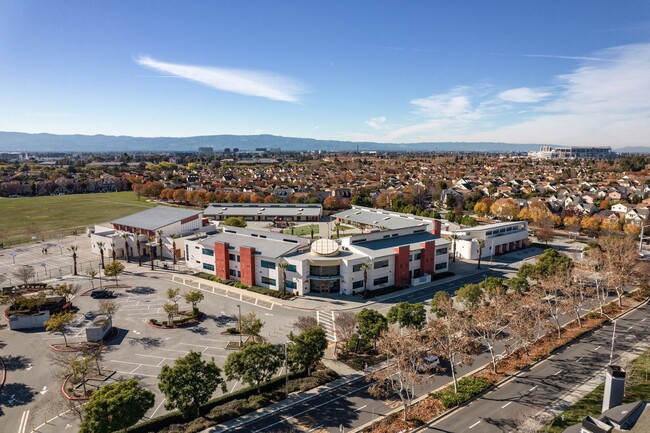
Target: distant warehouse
(548,152)
(275,212)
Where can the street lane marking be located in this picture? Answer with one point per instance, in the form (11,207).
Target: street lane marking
(23,422)
(578,360)
(644,319)
(506,405)
(533,388)
(630,328)
(475,424)
(597,348)
(364,406)
(557,372)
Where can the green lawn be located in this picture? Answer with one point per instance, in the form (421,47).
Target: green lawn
(302,230)
(51,216)
(638,389)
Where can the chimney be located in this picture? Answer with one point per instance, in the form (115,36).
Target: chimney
(437,227)
(614,387)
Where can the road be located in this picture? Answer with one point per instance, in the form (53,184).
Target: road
(523,397)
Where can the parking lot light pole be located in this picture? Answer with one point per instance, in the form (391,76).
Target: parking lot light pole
(240,340)
(99,267)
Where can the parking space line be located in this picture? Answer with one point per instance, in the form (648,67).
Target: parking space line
(139,364)
(136,374)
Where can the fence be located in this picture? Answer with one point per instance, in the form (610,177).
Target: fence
(45,273)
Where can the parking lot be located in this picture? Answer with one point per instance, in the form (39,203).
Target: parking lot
(140,350)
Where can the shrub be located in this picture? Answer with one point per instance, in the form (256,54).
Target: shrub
(232,331)
(240,285)
(468,387)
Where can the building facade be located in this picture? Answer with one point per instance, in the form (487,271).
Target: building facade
(548,152)
(275,212)
(499,238)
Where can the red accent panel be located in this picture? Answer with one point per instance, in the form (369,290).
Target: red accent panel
(247,265)
(221,262)
(402,266)
(437,227)
(188,219)
(427,258)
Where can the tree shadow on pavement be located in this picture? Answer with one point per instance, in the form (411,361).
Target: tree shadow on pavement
(201,330)
(146,342)
(14,363)
(141,291)
(16,394)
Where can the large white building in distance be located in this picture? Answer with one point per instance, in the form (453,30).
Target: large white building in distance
(399,254)
(548,152)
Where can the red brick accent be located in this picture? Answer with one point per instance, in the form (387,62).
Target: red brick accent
(437,227)
(221,263)
(188,219)
(247,265)
(427,257)
(402,266)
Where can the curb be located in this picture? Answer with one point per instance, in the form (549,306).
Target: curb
(4,373)
(67,396)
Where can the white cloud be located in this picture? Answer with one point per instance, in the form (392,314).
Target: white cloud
(246,82)
(376,122)
(604,101)
(523,95)
(582,58)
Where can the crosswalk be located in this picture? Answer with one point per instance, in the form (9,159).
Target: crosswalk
(325,319)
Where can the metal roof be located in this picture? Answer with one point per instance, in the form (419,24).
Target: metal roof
(267,209)
(156,218)
(272,245)
(382,218)
(384,247)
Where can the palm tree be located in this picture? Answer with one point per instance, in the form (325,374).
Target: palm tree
(364,267)
(137,245)
(125,236)
(454,238)
(160,242)
(283,267)
(174,236)
(481,244)
(114,254)
(73,249)
(337,226)
(311,231)
(100,245)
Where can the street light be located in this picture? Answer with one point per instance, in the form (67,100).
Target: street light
(614,321)
(240,340)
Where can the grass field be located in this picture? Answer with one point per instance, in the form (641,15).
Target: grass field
(53,216)
(591,403)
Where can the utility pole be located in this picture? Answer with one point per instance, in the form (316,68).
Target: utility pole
(240,339)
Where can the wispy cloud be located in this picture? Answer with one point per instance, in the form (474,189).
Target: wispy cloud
(523,95)
(246,82)
(581,58)
(376,122)
(603,101)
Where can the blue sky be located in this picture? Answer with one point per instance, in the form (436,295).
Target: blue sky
(561,72)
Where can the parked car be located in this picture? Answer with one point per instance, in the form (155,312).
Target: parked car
(431,363)
(101,294)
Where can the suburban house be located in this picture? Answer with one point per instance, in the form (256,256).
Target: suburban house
(141,232)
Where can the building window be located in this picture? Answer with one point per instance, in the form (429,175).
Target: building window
(381,264)
(291,268)
(268,265)
(417,256)
(290,285)
(356,268)
(208,267)
(232,272)
(357,284)
(232,257)
(440,266)
(441,251)
(380,281)
(208,252)
(268,281)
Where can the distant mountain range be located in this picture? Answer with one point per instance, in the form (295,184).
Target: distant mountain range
(19,141)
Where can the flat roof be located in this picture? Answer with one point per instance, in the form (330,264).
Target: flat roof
(268,209)
(489,226)
(156,218)
(383,247)
(382,218)
(272,245)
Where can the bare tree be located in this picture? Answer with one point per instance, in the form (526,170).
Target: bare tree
(24,274)
(621,263)
(73,249)
(304,323)
(108,308)
(488,322)
(345,324)
(575,291)
(546,292)
(91,274)
(525,322)
(403,358)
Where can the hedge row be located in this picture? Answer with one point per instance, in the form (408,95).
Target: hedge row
(468,387)
(240,285)
(175,417)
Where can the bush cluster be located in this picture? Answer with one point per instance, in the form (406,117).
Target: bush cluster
(240,285)
(468,387)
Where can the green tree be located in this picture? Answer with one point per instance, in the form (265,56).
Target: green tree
(439,300)
(470,295)
(58,323)
(114,269)
(116,406)
(361,200)
(518,284)
(251,325)
(189,383)
(370,324)
(234,222)
(172,310)
(173,294)
(308,348)
(193,297)
(409,315)
(254,364)
(66,290)
(454,238)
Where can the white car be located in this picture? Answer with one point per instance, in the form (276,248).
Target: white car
(431,362)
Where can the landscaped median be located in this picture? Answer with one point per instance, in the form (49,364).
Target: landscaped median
(483,380)
(255,289)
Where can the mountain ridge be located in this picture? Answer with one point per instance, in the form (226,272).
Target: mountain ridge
(46,142)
